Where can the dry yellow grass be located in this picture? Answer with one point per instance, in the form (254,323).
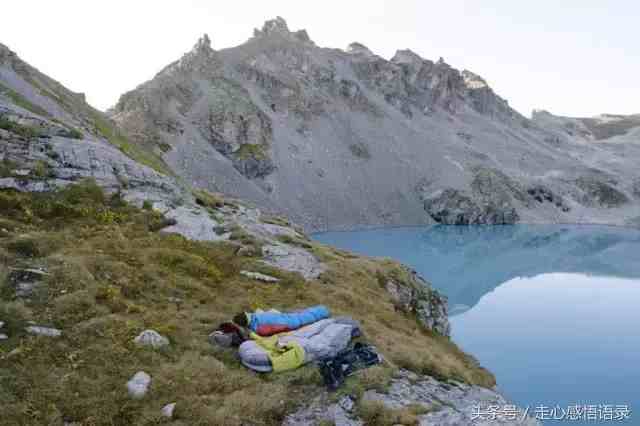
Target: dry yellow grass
(110,277)
(375,413)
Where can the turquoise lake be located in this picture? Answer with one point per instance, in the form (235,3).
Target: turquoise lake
(552,311)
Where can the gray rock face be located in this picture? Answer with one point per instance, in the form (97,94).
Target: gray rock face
(462,401)
(294,259)
(139,384)
(453,207)
(253,167)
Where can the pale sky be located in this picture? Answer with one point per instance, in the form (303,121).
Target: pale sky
(572,57)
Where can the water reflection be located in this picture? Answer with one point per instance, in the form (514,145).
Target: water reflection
(559,339)
(466,262)
(552,311)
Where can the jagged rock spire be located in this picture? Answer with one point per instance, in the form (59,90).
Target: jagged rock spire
(204,43)
(273,26)
(201,57)
(279,26)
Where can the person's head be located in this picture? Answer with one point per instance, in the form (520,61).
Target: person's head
(241,319)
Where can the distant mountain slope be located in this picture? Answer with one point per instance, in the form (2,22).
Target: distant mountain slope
(341,138)
(601,128)
(32,92)
(51,138)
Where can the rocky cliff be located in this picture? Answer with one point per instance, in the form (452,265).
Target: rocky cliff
(342,138)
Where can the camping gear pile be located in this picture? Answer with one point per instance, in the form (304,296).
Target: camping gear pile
(274,341)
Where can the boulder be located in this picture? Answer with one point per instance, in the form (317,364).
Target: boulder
(151,338)
(139,384)
(260,277)
(167,410)
(43,331)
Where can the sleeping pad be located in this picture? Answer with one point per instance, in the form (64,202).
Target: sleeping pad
(270,322)
(290,350)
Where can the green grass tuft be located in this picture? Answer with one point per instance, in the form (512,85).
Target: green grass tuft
(22,102)
(27,132)
(248,150)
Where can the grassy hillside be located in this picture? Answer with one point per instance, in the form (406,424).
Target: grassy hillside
(110,275)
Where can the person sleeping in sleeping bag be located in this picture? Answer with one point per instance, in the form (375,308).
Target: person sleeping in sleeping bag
(271,322)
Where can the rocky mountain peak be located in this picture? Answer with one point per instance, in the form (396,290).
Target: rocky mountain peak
(356,48)
(279,27)
(203,44)
(273,26)
(200,57)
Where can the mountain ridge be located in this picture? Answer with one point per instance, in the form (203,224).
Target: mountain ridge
(306,131)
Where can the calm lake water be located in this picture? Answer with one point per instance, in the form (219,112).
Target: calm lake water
(552,311)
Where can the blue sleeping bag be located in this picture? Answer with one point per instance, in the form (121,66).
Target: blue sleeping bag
(270,323)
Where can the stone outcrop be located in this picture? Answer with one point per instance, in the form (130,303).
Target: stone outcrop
(139,384)
(597,191)
(259,277)
(448,404)
(414,295)
(542,194)
(38,330)
(454,207)
(151,338)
